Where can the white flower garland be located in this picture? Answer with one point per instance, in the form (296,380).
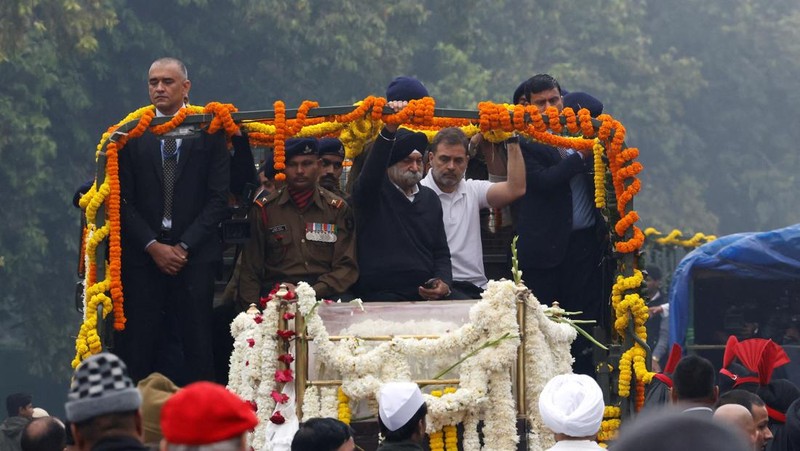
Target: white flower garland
(471,440)
(311,405)
(500,426)
(364,371)
(252,367)
(328,402)
(547,354)
(487,344)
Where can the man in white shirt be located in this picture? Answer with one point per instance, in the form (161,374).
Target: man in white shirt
(462,200)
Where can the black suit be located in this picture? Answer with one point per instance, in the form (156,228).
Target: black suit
(557,262)
(169,317)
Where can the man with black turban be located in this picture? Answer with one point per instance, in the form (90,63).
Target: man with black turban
(402,245)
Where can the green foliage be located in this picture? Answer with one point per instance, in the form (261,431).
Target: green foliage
(42,45)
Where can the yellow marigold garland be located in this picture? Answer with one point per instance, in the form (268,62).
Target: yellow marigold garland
(674,238)
(626,299)
(344,413)
(445,439)
(88,341)
(610,424)
(599,175)
(436,438)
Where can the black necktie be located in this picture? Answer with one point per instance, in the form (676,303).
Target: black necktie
(170,168)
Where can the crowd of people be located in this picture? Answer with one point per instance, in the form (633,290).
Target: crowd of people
(105,411)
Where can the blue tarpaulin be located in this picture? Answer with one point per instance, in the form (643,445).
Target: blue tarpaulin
(773,255)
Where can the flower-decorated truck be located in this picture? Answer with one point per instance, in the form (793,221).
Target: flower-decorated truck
(502,351)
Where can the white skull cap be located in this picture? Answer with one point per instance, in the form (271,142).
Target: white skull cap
(398,402)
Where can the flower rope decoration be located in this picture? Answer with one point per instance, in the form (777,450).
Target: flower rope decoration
(111,197)
(279,143)
(311,402)
(344,413)
(610,424)
(450,431)
(445,439)
(599,175)
(436,438)
(547,354)
(254,363)
(627,303)
(674,238)
(489,341)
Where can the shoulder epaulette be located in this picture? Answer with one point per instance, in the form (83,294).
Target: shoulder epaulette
(263,200)
(331,198)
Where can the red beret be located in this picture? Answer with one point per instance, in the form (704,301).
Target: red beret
(203,413)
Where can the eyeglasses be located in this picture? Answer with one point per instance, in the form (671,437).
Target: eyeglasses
(326,162)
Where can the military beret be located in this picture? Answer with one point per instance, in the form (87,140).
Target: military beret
(268,166)
(519,92)
(296,147)
(330,146)
(405,88)
(577,100)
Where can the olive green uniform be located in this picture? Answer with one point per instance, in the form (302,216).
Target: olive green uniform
(315,245)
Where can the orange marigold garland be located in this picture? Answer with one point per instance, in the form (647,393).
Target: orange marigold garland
(554,119)
(296,124)
(585,120)
(572,122)
(170,125)
(639,394)
(88,341)
(222,118)
(279,142)
(537,121)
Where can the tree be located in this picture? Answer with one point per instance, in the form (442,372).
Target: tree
(41,45)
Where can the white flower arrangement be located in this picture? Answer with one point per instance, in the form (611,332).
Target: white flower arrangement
(547,354)
(311,405)
(252,366)
(487,346)
(365,370)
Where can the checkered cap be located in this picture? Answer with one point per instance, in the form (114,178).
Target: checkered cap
(101,386)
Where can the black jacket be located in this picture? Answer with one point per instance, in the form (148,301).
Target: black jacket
(200,195)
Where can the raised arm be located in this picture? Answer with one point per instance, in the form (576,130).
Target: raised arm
(368,184)
(503,193)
